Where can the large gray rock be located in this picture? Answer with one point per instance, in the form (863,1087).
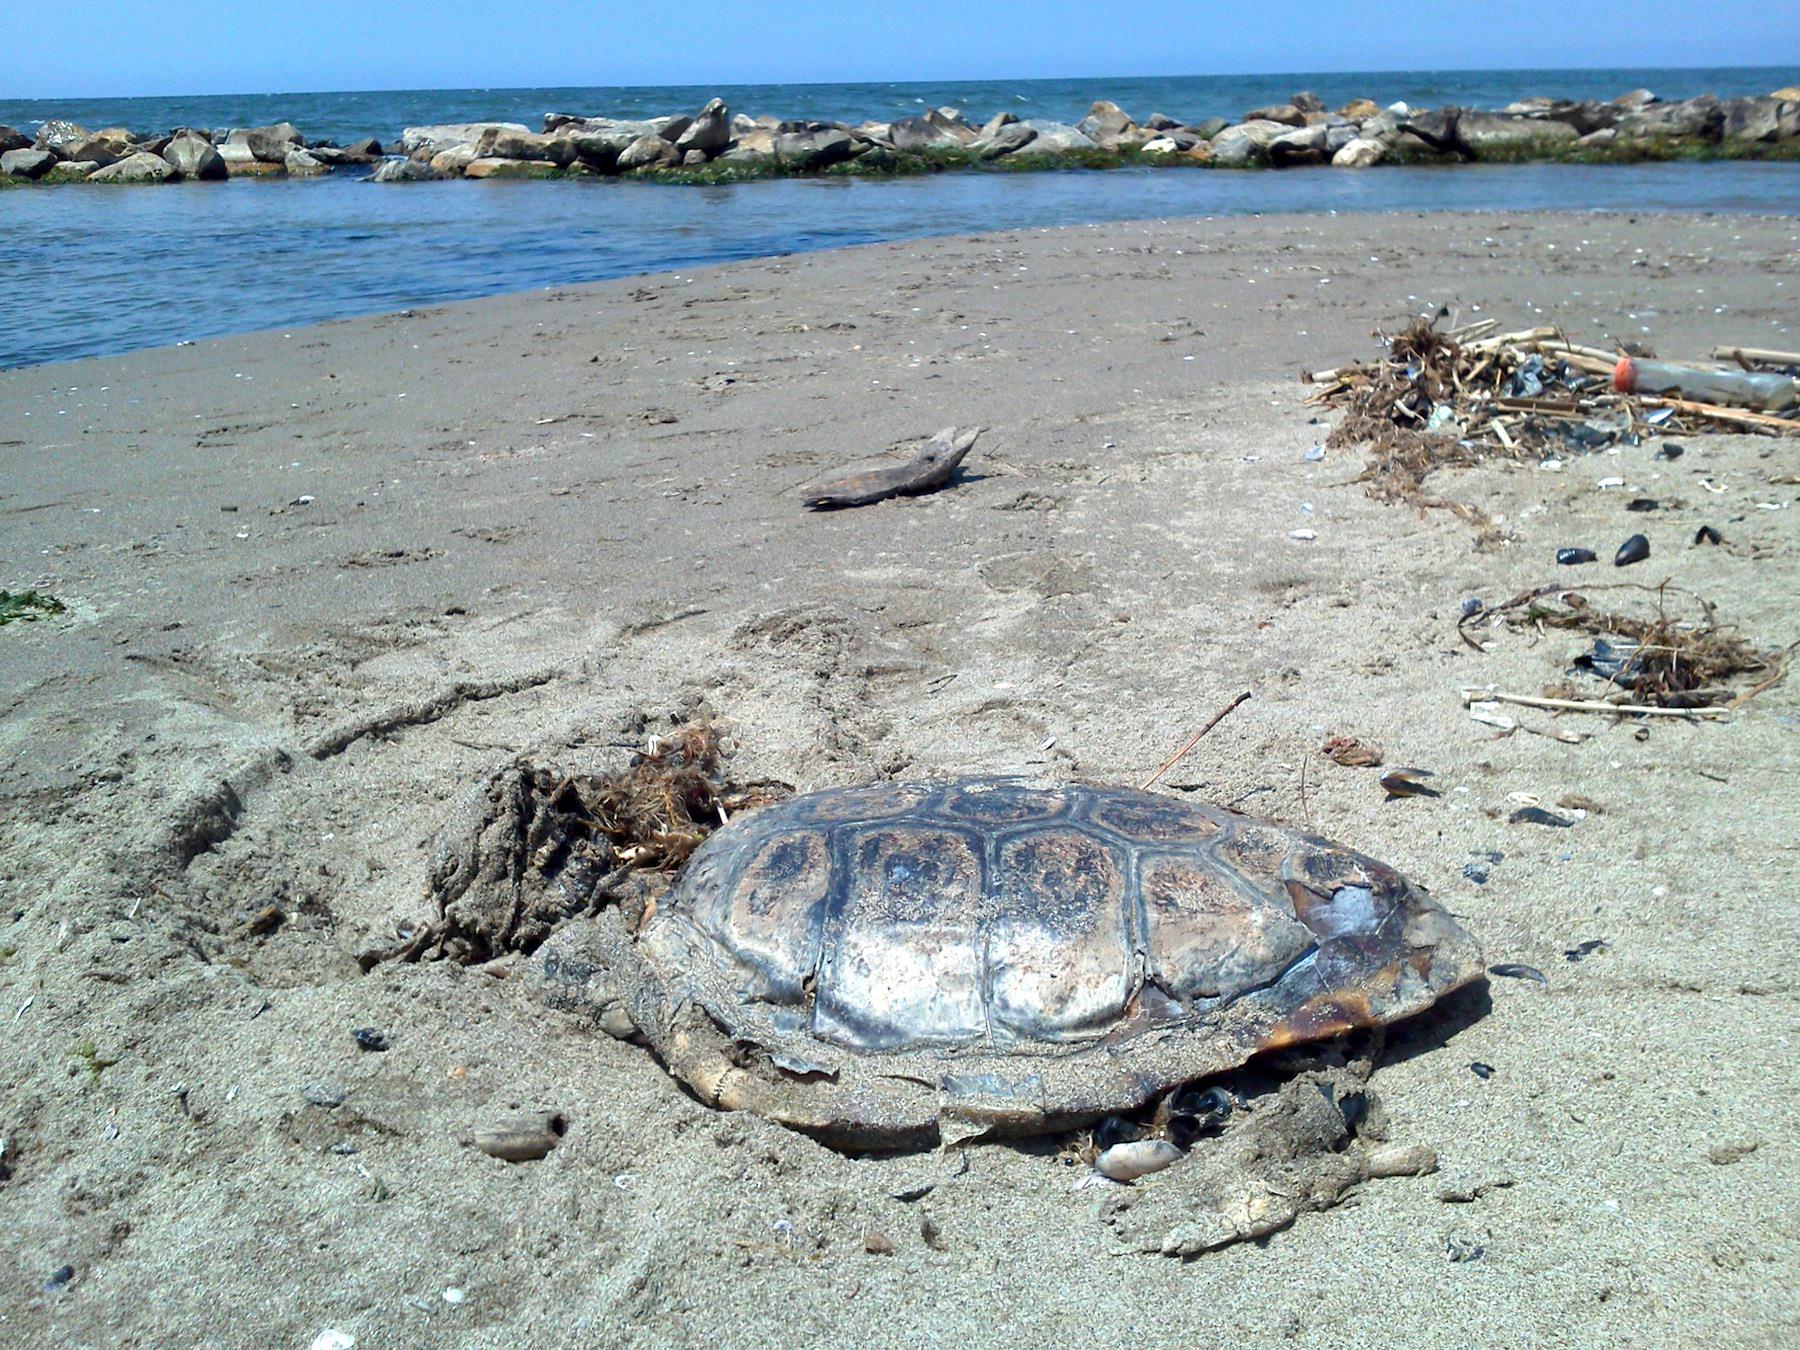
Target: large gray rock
(709,132)
(143,167)
(1637,98)
(233,153)
(1285,113)
(27,162)
(59,135)
(1302,145)
(1436,129)
(600,141)
(1209,127)
(1696,118)
(814,149)
(1006,140)
(1308,102)
(913,135)
(194,159)
(69,171)
(103,147)
(1486,135)
(270,145)
(363,151)
(13,139)
(1056,137)
(1359,154)
(649,152)
(404,171)
(428,140)
(505,143)
(1107,124)
(752,145)
(1760,120)
(452,162)
(1247,142)
(303,164)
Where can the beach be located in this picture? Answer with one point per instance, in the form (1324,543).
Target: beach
(324,583)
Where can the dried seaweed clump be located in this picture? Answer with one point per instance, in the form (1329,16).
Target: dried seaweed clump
(656,812)
(1656,659)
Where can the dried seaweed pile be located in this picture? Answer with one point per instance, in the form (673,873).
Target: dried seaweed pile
(1444,398)
(1655,659)
(656,812)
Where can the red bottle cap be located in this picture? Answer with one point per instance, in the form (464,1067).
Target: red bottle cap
(1624,375)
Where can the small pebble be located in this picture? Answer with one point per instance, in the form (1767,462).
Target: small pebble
(323,1094)
(1472,606)
(333,1339)
(1303,535)
(1460,1247)
(1642,504)
(1482,1071)
(522,1138)
(1633,550)
(367,1038)
(63,1274)
(453,1296)
(1720,1155)
(877,1244)
(1536,815)
(1574,557)
(1402,1160)
(1671,450)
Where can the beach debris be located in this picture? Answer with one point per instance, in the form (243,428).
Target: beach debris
(1765,392)
(1303,536)
(59,1278)
(1402,1160)
(1463,1189)
(1575,557)
(1457,396)
(934,466)
(28,606)
(1352,753)
(1512,970)
(333,1339)
(1490,715)
(1655,661)
(1400,782)
(1188,745)
(1472,606)
(263,922)
(1478,871)
(368,1038)
(1137,1158)
(1641,504)
(1115,1130)
(453,1296)
(1480,1070)
(1582,950)
(1724,1155)
(1668,449)
(523,1137)
(1574,801)
(1536,815)
(1706,534)
(325,1096)
(1634,550)
(877,1243)
(1462,1247)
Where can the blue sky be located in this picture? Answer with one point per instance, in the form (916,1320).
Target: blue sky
(116,48)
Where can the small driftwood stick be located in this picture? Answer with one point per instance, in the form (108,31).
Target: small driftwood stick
(1192,741)
(1751,419)
(1583,705)
(1759,355)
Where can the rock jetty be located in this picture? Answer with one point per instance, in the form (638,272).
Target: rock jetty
(714,145)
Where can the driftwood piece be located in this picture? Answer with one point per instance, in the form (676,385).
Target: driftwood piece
(934,467)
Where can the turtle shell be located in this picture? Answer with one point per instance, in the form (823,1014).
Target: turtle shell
(867,962)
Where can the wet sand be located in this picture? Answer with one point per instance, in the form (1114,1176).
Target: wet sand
(352,570)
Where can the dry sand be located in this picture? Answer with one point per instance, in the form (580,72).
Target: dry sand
(351,570)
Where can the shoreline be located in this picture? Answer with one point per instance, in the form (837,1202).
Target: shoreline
(714,146)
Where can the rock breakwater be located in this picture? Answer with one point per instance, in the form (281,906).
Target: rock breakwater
(715,145)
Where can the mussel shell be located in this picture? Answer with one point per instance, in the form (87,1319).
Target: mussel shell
(1116,1130)
(1633,550)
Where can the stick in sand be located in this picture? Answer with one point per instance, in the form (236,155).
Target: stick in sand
(1193,740)
(1583,705)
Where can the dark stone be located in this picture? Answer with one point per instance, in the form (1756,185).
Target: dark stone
(27,163)
(910,135)
(1308,102)
(194,158)
(13,139)
(814,149)
(367,149)
(709,132)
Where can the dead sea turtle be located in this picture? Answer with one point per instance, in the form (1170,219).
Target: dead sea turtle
(890,964)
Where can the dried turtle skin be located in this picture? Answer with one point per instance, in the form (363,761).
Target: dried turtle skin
(903,962)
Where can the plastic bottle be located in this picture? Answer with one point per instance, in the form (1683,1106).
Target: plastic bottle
(1742,388)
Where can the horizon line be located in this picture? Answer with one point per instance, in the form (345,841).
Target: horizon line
(941,80)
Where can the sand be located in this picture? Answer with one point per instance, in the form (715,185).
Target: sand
(352,570)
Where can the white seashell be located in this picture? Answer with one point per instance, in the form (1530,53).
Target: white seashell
(1402,1160)
(1490,714)
(1302,535)
(1139,1158)
(333,1339)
